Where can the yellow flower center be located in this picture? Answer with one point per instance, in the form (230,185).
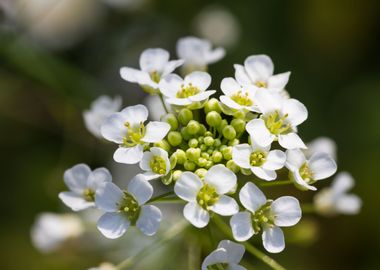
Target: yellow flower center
(158,165)
(277,124)
(306,173)
(134,134)
(155,76)
(261,84)
(242,99)
(207,197)
(257,158)
(187,91)
(89,195)
(130,207)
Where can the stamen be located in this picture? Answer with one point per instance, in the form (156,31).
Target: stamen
(187,91)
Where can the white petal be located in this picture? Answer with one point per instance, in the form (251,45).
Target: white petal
(294,159)
(291,141)
(302,184)
(187,186)
(322,144)
(136,76)
(135,114)
(287,211)
(113,128)
(113,225)
(225,206)
(267,175)
(259,132)
(241,154)
(235,251)
(170,85)
(217,256)
(149,219)
(145,161)
(273,239)
(199,79)
(140,188)
(196,215)
(251,197)
(275,160)
(279,81)
(259,67)
(179,101)
(151,175)
(342,183)
(75,201)
(231,104)
(229,86)
(202,96)
(222,178)
(98,177)
(268,101)
(215,55)
(108,197)
(171,66)
(322,166)
(348,204)
(76,177)
(241,226)
(155,131)
(241,75)
(154,60)
(128,155)
(297,112)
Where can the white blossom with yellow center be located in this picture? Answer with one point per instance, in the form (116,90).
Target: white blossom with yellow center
(155,163)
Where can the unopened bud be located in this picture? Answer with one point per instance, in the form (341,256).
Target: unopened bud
(171,120)
(185,116)
(213,119)
(212,105)
(174,138)
(163,144)
(238,125)
(193,127)
(232,166)
(229,132)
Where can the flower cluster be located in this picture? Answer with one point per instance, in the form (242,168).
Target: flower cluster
(213,154)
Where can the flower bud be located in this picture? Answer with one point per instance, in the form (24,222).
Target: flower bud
(217,143)
(189,165)
(202,162)
(173,161)
(200,139)
(232,166)
(229,132)
(163,144)
(171,120)
(193,143)
(227,153)
(167,179)
(217,156)
(202,129)
(193,127)
(222,125)
(185,134)
(205,155)
(208,133)
(233,142)
(193,153)
(203,147)
(239,114)
(238,125)
(201,173)
(181,156)
(209,141)
(174,138)
(210,151)
(213,105)
(245,171)
(185,116)
(176,174)
(209,164)
(213,119)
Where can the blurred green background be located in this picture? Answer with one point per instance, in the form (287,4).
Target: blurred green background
(56,56)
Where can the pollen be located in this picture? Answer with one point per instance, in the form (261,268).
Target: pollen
(207,197)
(134,134)
(242,99)
(158,165)
(130,207)
(257,158)
(187,91)
(277,123)
(306,173)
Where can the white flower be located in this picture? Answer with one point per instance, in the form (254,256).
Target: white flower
(127,129)
(83,184)
(125,208)
(306,172)
(154,64)
(321,144)
(279,120)
(266,215)
(183,92)
(207,195)
(258,71)
(101,108)
(51,230)
(238,97)
(335,200)
(227,256)
(260,160)
(155,162)
(198,53)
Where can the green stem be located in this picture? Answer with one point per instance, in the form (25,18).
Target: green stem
(163,103)
(276,183)
(164,195)
(249,247)
(307,208)
(169,234)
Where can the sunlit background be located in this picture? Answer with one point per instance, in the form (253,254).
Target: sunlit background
(56,56)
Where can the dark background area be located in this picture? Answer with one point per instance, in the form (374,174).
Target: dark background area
(331,47)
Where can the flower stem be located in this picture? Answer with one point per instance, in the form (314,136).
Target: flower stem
(163,103)
(169,234)
(164,195)
(249,247)
(276,183)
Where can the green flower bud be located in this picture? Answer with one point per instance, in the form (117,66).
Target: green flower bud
(185,116)
(227,153)
(210,151)
(176,174)
(167,179)
(193,153)
(222,147)
(213,119)
(245,171)
(238,125)
(201,173)
(212,105)
(232,166)
(217,156)
(203,147)
(185,135)
(200,139)
(193,143)
(229,132)
(163,144)
(190,166)
(193,127)
(209,141)
(209,164)
(202,129)
(202,162)
(217,143)
(171,120)
(173,161)
(233,142)
(239,115)
(181,156)
(174,138)
(208,133)
(222,125)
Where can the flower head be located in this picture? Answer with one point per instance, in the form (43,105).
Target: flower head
(207,195)
(127,207)
(155,163)
(127,129)
(265,215)
(306,172)
(227,256)
(260,160)
(187,91)
(83,184)
(100,109)
(279,120)
(258,71)
(154,64)
(335,199)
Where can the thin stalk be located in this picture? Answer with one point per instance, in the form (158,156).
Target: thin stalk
(249,247)
(276,183)
(163,103)
(169,234)
(164,195)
